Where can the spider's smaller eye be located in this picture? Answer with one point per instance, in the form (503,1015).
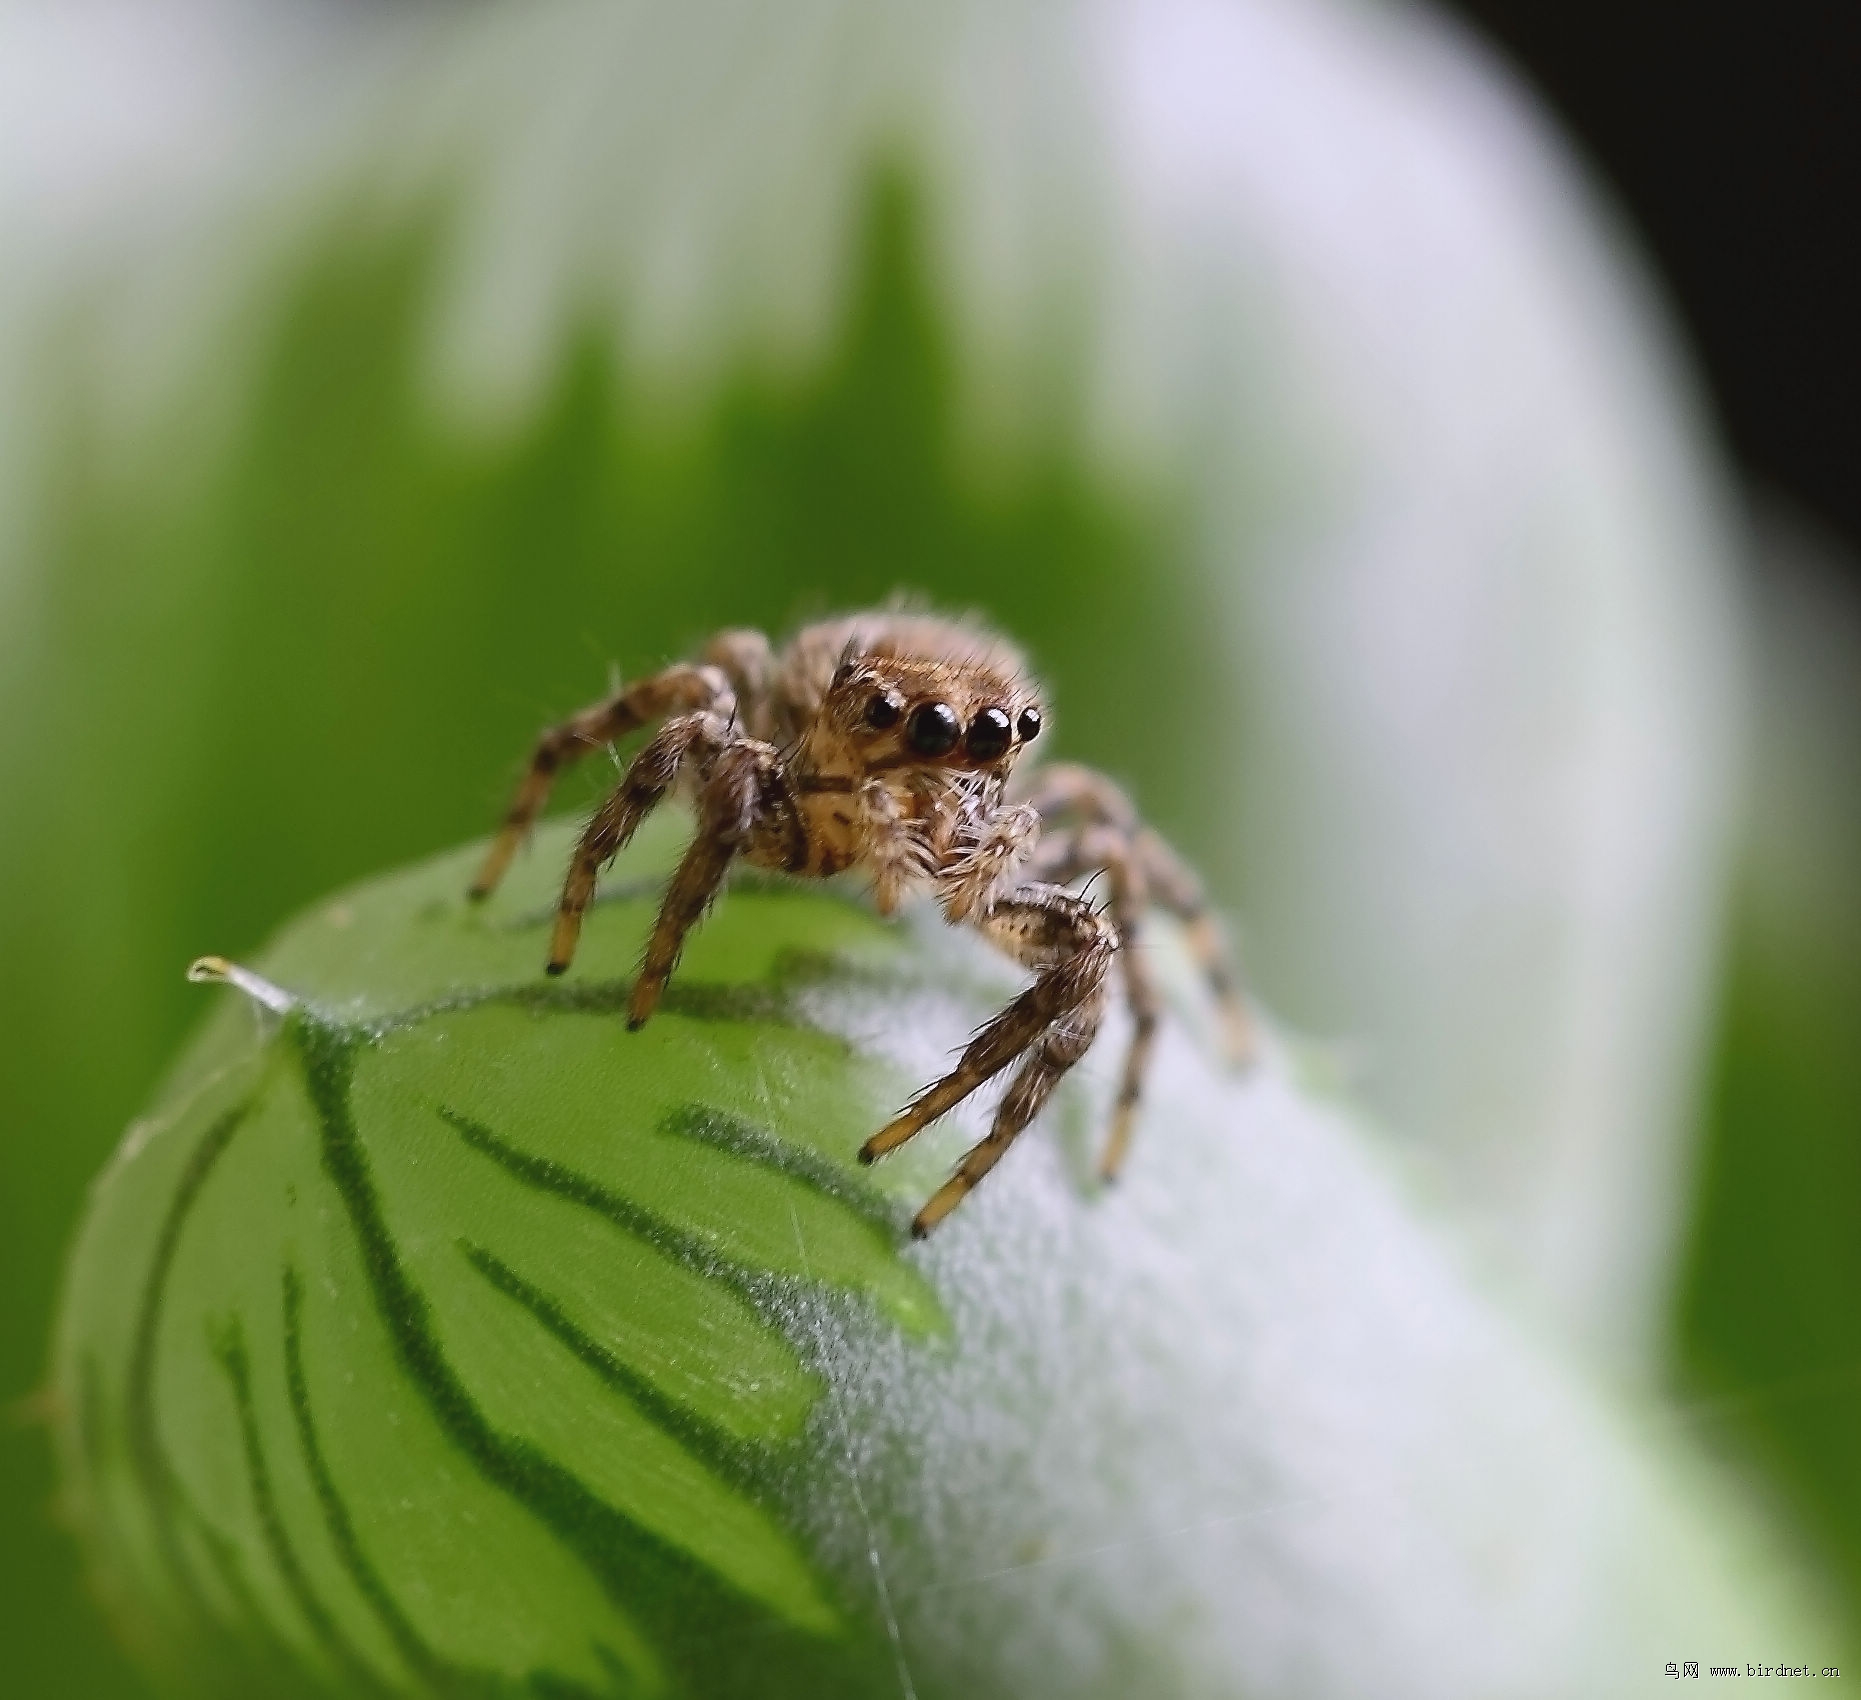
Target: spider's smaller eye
(1028,725)
(989,735)
(883,710)
(843,676)
(933,729)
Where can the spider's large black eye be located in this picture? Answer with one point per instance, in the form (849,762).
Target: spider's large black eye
(933,729)
(883,710)
(989,735)
(1028,725)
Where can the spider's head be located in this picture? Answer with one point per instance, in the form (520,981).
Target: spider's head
(892,711)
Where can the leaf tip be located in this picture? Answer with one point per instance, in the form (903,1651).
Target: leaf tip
(218,971)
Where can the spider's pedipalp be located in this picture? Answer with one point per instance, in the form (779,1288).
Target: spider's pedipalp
(986,861)
(897,855)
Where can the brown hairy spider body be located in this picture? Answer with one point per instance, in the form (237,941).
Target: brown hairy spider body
(887,742)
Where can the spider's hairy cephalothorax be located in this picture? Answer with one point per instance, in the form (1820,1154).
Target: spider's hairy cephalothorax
(888,742)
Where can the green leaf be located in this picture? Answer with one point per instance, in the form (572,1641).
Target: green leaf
(436,1335)
(461,1347)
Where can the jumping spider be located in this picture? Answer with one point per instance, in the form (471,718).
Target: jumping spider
(886,741)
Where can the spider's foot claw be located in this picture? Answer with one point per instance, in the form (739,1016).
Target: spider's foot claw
(945,1199)
(886,1140)
(1117,1143)
(477,893)
(894,1134)
(641,1005)
(554,967)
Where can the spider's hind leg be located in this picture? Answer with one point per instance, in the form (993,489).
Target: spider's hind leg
(749,663)
(1177,889)
(1067,790)
(1065,858)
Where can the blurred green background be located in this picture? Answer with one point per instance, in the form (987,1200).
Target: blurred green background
(297,627)
(1768,1338)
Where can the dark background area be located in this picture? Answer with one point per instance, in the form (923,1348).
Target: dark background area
(1731,136)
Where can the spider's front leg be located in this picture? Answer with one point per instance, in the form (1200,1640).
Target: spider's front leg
(1052,1024)
(722,758)
(685,687)
(745,789)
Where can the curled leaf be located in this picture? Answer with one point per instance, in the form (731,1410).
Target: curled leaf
(438,1336)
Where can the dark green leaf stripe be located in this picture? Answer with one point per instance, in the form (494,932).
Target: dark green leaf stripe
(659,1582)
(700,1000)
(160,1490)
(229,1349)
(408,1641)
(683,1247)
(725,1132)
(706,1440)
(460,1296)
(440,1675)
(245,1649)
